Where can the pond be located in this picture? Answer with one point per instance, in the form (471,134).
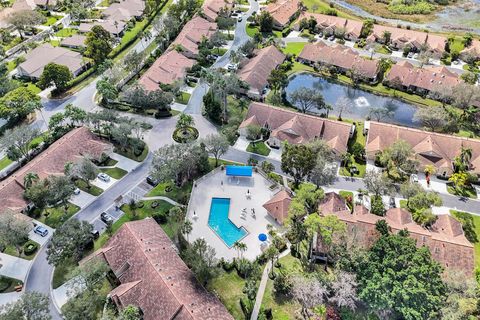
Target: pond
(359,101)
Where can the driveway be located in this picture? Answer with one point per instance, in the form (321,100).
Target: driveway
(82,199)
(124,162)
(38,238)
(14,267)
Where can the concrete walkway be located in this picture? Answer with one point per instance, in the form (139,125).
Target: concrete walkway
(263,285)
(167,199)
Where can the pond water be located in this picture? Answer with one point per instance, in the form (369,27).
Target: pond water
(360,102)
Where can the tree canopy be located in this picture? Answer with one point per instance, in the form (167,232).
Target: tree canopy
(55,74)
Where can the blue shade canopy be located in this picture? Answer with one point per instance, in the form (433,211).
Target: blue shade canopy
(262,237)
(240,171)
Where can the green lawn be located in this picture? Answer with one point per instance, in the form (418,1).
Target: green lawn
(228,286)
(300,67)
(66,32)
(252,30)
(323,7)
(283,308)
(51,20)
(129,154)
(130,34)
(457,44)
(63,273)
(33,88)
(172,191)
(476,222)
(55,217)
(382,49)
(12,251)
(183,98)
(11,65)
(465,192)
(259,148)
(294,48)
(141,213)
(115,173)
(4,162)
(93,190)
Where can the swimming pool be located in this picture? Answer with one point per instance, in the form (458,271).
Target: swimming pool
(220,223)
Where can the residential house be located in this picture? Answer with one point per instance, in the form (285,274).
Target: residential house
(192,35)
(168,68)
(420,80)
(328,24)
(71,147)
(115,28)
(277,207)
(283,12)
(340,56)
(154,278)
(76,41)
(445,238)
(211,8)
(438,150)
(17,6)
(436,44)
(124,10)
(296,128)
(257,70)
(473,49)
(44,54)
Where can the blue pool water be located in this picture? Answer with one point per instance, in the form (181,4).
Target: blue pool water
(221,224)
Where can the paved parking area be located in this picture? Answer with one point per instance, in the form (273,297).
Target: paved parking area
(14,267)
(38,238)
(82,199)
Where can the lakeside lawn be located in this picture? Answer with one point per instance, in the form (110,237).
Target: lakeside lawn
(320,6)
(361,139)
(116,173)
(228,286)
(259,148)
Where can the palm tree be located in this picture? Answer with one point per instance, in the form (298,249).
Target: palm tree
(240,247)
(132,205)
(186,228)
(29,179)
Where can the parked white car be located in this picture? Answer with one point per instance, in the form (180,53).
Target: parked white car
(103,177)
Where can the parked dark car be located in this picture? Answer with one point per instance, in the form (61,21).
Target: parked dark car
(106,218)
(95,234)
(392,202)
(152,181)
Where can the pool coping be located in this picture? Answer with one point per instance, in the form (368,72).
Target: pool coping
(228,216)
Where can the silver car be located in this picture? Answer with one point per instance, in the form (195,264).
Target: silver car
(103,177)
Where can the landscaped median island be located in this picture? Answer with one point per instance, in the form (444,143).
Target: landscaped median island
(8,285)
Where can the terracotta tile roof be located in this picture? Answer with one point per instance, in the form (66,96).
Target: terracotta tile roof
(436,42)
(431,148)
(42,55)
(295,127)
(108,25)
(124,10)
(154,278)
(193,32)
(352,27)
(474,48)
(168,68)
(77,40)
(278,206)
(283,10)
(426,78)
(445,240)
(71,147)
(405,36)
(211,8)
(340,56)
(258,69)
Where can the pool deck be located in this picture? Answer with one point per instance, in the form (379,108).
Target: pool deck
(210,186)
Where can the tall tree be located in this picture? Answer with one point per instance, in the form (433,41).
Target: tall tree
(201,258)
(99,44)
(377,183)
(297,161)
(24,19)
(60,189)
(16,142)
(19,103)
(107,90)
(31,305)
(55,74)
(308,292)
(216,145)
(434,118)
(70,241)
(395,269)
(29,179)
(277,79)
(13,230)
(307,99)
(84,169)
(265,21)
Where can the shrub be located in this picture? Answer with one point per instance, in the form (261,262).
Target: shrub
(226,265)
(160,217)
(282,284)
(245,305)
(30,248)
(244,267)
(377,206)
(154,204)
(468,225)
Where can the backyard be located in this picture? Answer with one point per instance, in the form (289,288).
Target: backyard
(294,48)
(359,138)
(228,286)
